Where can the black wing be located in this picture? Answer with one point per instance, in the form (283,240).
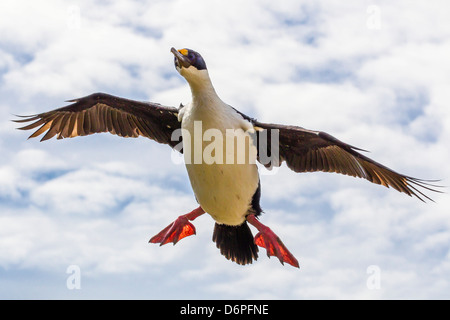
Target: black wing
(100,112)
(308,151)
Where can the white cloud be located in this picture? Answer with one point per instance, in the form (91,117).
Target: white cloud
(95,201)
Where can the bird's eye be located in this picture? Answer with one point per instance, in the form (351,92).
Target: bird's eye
(191,56)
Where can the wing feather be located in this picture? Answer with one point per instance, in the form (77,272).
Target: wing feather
(307,151)
(100,112)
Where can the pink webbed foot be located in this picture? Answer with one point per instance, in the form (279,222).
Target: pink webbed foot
(178,229)
(267,239)
(174,232)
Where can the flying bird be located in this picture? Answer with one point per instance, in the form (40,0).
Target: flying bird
(229,191)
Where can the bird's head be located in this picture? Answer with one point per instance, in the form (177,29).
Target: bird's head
(189,63)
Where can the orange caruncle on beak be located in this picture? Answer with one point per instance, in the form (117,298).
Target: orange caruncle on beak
(184,52)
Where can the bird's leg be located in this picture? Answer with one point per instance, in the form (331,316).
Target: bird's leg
(178,229)
(267,239)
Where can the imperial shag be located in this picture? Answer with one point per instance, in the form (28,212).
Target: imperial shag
(228,190)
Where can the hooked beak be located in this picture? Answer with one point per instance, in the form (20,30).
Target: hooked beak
(181,60)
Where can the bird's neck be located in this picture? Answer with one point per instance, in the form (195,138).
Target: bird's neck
(202,89)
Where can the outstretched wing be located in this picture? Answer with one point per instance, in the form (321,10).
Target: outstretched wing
(100,112)
(308,151)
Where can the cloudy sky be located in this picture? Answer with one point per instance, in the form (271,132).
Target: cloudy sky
(76,214)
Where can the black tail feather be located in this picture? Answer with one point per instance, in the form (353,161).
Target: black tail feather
(236,242)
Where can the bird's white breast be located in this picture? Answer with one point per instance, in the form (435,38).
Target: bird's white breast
(223,184)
